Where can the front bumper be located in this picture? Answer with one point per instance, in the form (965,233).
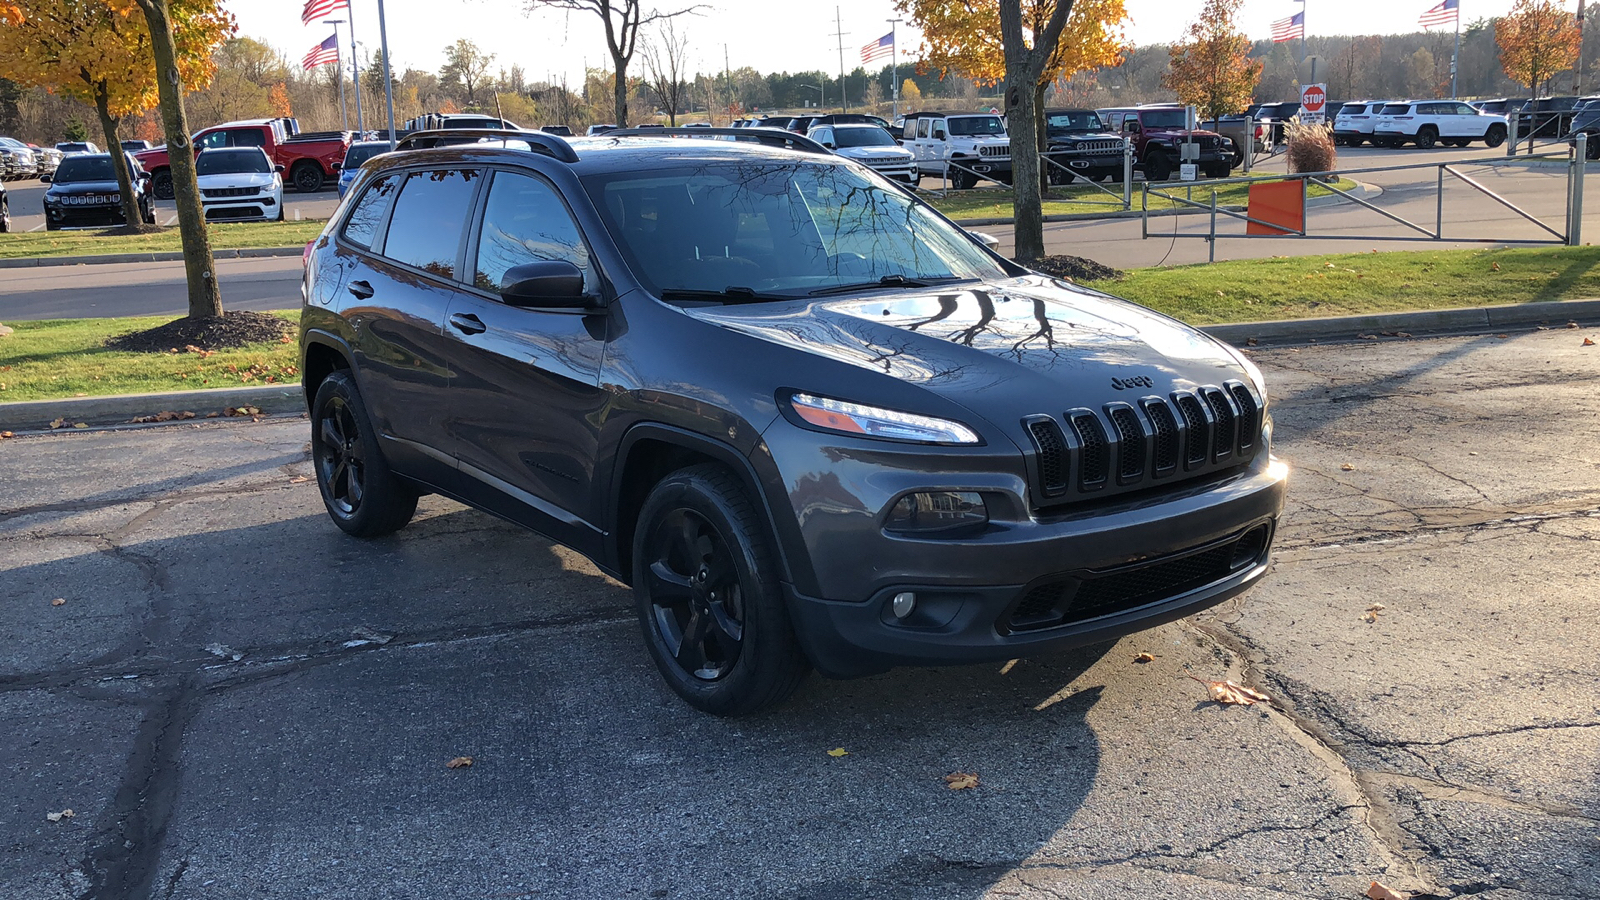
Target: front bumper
(99,216)
(1025,589)
(235,209)
(1091,165)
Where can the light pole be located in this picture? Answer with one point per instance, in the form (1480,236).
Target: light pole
(822,96)
(388,82)
(894,66)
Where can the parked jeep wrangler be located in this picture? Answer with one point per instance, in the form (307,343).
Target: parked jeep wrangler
(1158,133)
(1078,140)
(974,144)
(810,421)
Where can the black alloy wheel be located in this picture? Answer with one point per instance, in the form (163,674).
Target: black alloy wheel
(1495,136)
(1427,135)
(1156,167)
(161,183)
(307,177)
(708,596)
(1591,147)
(362,496)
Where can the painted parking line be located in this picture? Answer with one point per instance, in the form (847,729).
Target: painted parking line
(38,227)
(168,223)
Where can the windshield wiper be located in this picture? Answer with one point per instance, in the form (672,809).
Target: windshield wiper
(733,293)
(885,281)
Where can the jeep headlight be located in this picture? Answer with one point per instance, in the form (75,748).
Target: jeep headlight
(845,417)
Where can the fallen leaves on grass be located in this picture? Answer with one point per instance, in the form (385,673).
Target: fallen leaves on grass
(460,762)
(1226,692)
(838,752)
(58,816)
(1379,891)
(1494,267)
(960,781)
(166,415)
(59,601)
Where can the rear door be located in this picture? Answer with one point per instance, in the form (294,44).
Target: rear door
(525,402)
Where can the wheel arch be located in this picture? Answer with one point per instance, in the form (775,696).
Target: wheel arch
(323,355)
(649,452)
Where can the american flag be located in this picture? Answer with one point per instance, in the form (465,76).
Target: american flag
(322,54)
(1292,27)
(881,47)
(319,9)
(1448,11)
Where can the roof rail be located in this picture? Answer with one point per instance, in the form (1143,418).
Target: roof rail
(538,141)
(772,137)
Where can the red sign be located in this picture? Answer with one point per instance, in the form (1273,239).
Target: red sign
(1313,98)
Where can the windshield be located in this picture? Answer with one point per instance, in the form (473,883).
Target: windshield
(777,230)
(232,162)
(1162,118)
(869,136)
(970,125)
(85,168)
(1082,120)
(73,148)
(358,154)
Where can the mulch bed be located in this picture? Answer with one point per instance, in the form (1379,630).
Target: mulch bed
(1074,268)
(236,329)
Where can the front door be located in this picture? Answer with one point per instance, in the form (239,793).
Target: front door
(524,402)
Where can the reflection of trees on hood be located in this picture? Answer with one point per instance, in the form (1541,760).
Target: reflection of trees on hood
(948,304)
(1046,330)
(967,335)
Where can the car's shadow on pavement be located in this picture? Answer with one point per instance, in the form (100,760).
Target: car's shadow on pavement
(318,757)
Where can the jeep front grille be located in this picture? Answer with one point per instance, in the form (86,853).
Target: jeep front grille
(995,150)
(1128,446)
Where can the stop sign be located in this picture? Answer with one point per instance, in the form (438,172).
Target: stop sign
(1313,98)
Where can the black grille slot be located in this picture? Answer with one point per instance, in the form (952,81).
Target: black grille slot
(232,192)
(1249,416)
(1194,419)
(1051,452)
(1041,607)
(1130,444)
(1222,412)
(1166,444)
(1092,438)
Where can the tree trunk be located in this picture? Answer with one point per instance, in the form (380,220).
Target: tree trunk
(205,298)
(1044,138)
(1026,205)
(621,66)
(119,160)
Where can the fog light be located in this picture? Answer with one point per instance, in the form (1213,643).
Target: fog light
(931,512)
(905,603)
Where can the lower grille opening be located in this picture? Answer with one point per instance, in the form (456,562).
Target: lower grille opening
(1073,599)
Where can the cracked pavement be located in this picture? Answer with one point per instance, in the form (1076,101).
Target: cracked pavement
(1449,747)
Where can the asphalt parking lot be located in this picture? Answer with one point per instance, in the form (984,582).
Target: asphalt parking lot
(238,701)
(27,205)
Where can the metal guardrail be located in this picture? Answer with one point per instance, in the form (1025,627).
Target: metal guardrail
(1572,236)
(1124,197)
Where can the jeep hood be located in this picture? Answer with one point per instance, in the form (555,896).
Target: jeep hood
(1006,348)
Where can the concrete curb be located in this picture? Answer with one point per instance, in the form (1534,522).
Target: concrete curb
(34,262)
(1346,328)
(36,415)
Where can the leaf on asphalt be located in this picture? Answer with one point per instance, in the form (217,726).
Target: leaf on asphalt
(299,479)
(80,424)
(59,601)
(1367,337)
(1226,692)
(6,434)
(242,411)
(1347,467)
(166,415)
(838,752)
(1379,891)
(1145,657)
(1502,336)
(58,423)
(58,816)
(1587,342)
(1369,617)
(1376,608)
(460,762)
(212,415)
(960,781)
(1252,342)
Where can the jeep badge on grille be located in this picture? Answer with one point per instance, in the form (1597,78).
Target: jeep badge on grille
(1135,381)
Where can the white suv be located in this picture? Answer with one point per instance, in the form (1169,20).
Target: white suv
(1353,125)
(1429,122)
(974,144)
(869,145)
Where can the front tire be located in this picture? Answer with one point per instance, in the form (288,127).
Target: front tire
(161,183)
(1156,167)
(708,595)
(1427,136)
(1495,136)
(363,497)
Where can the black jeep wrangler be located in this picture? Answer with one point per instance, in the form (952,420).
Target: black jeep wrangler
(1080,145)
(809,420)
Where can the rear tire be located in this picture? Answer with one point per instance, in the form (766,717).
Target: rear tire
(708,594)
(362,495)
(1427,136)
(307,177)
(1354,141)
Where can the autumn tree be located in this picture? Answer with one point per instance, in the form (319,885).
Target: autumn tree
(465,67)
(665,60)
(90,51)
(1537,41)
(622,19)
(183,34)
(1211,68)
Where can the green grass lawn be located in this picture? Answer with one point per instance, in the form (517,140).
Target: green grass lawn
(1354,283)
(234,236)
(67,358)
(995,203)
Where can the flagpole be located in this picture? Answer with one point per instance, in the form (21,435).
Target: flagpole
(1577,80)
(355,60)
(344,117)
(894,66)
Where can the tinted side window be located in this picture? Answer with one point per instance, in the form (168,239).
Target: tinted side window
(213,140)
(368,213)
(247,137)
(1464,110)
(524,221)
(429,219)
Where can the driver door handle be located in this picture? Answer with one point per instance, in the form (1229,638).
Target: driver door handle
(467,323)
(361,289)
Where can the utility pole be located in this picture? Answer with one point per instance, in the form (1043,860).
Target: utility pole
(839,33)
(894,66)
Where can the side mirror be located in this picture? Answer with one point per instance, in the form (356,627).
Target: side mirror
(278,169)
(829,145)
(549,284)
(337,167)
(45,177)
(987,240)
(939,135)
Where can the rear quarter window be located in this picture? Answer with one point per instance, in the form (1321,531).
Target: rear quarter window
(369,210)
